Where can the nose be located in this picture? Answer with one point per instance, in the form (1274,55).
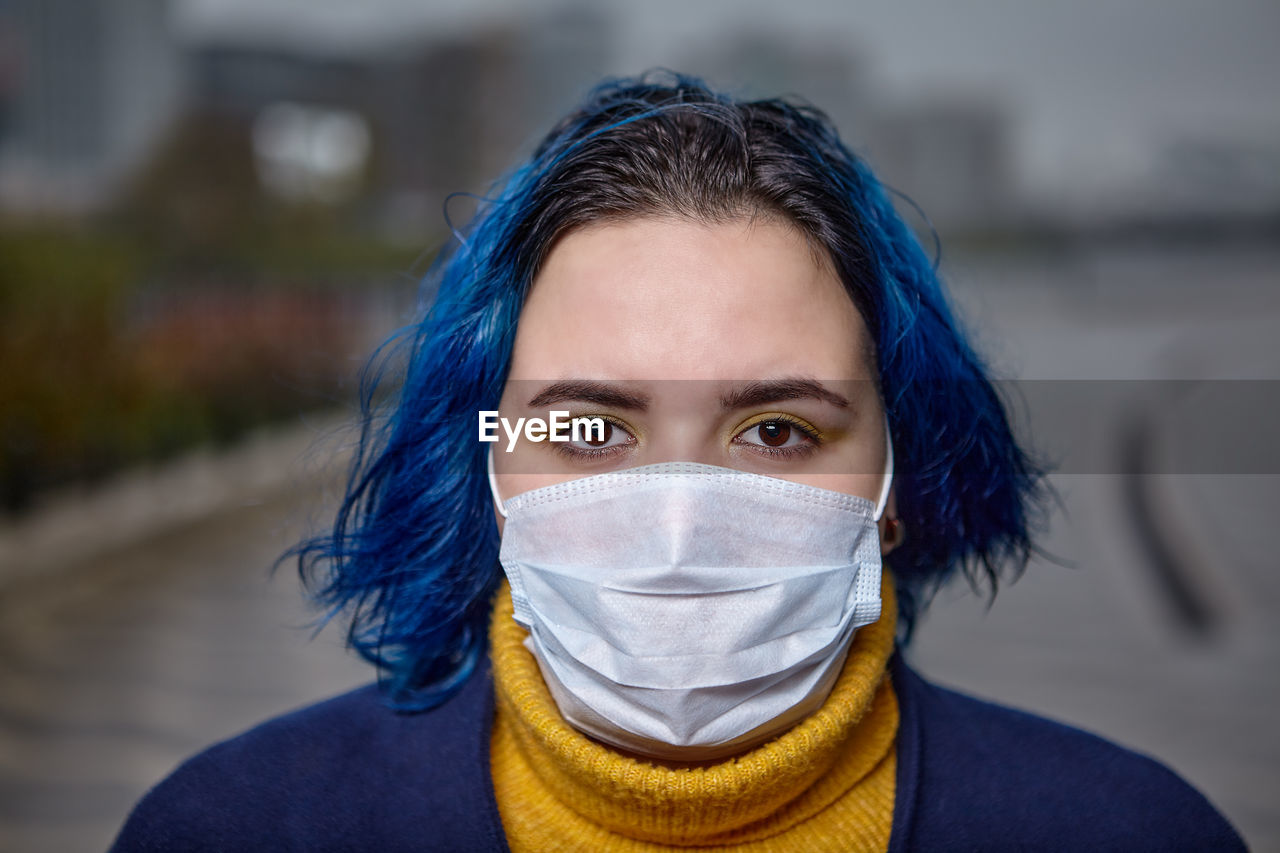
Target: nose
(684,440)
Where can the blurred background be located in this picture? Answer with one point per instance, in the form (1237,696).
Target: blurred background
(211,211)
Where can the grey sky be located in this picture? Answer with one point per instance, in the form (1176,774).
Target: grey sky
(1093,85)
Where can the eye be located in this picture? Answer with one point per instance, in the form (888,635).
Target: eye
(610,436)
(594,444)
(777,435)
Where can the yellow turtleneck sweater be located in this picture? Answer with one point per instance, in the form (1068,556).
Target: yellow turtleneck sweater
(827,784)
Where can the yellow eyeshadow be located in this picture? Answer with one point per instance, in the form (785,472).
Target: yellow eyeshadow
(765,417)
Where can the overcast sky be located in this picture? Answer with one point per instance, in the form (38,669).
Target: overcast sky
(1092,85)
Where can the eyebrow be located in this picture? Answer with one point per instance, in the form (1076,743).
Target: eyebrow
(759,393)
(751,394)
(599,393)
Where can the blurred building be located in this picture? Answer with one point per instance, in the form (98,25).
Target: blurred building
(424,104)
(87,88)
(446,111)
(951,157)
(1210,175)
(832,76)
(461,110)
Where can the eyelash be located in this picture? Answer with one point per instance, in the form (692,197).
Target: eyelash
(594,453)
(814,440)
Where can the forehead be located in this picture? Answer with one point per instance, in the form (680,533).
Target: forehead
(671,298)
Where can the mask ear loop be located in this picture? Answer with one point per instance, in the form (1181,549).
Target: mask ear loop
(493,484)
(883,500)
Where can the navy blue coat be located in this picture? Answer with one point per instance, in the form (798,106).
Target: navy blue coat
(349,774)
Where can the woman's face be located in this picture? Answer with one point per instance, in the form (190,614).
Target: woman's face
(731,344)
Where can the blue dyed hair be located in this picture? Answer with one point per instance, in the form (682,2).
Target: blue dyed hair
(412,557)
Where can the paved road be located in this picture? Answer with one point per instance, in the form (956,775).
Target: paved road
(115,667)
(1109,339)
(114,670)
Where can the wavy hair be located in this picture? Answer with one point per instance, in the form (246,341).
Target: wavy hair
(412,558)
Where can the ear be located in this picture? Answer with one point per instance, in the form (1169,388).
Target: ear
(892,531)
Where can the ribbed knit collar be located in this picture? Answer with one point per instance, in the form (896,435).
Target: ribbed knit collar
(760,794)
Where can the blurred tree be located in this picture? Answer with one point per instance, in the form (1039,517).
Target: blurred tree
(198,308)
(199,195)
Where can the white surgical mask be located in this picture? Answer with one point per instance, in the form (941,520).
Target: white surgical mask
(688,611)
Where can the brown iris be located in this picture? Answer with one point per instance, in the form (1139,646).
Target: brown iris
(605,435)
(775,433)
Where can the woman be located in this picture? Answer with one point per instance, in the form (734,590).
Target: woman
(786,444)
